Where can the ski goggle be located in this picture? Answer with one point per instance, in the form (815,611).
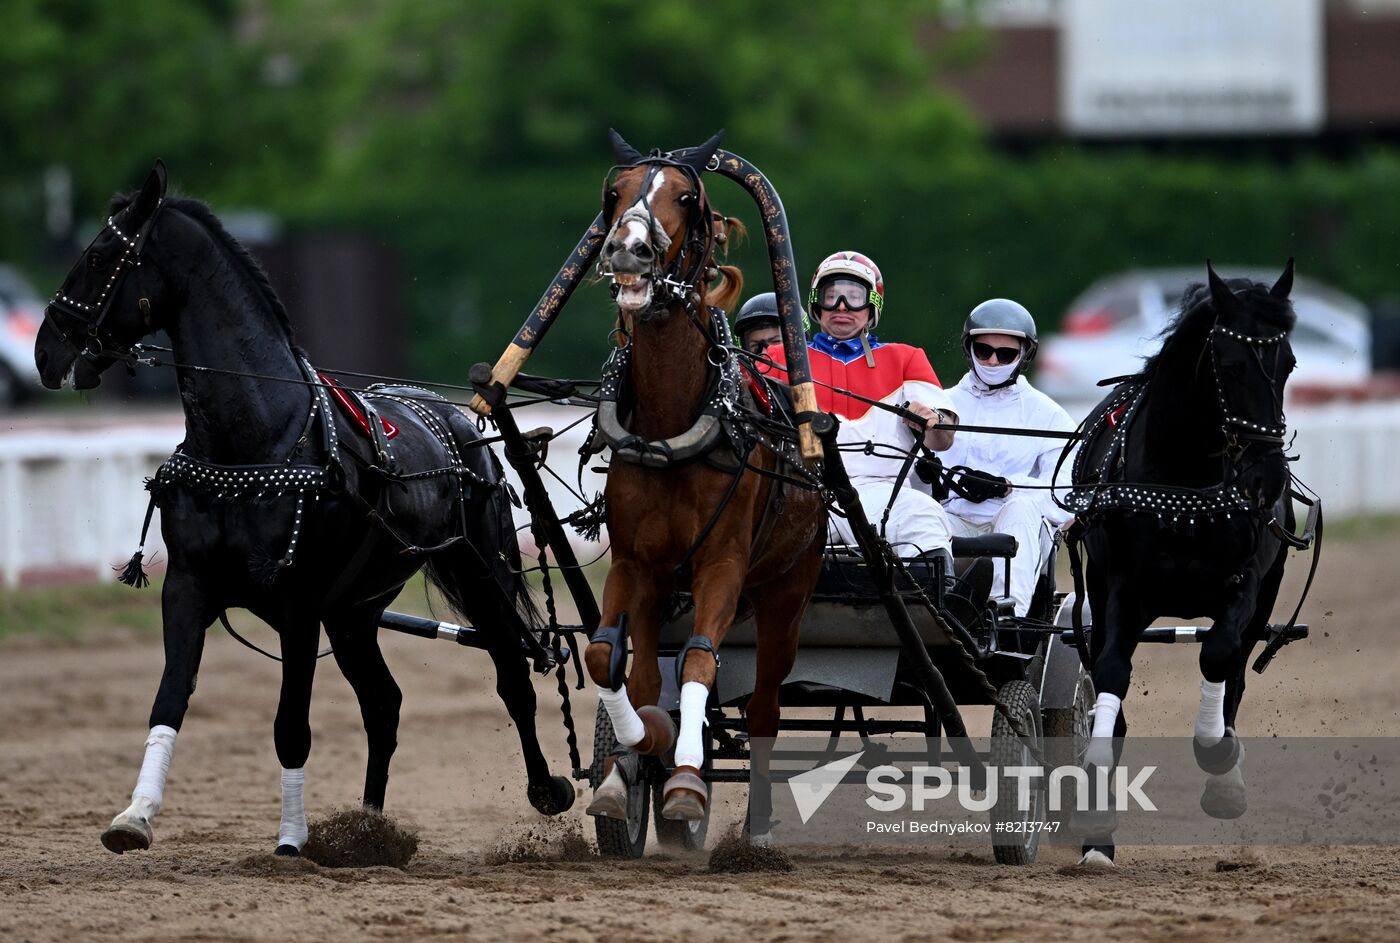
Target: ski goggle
(1003,355)
(855,295)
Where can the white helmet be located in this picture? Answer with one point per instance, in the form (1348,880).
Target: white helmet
(855,266)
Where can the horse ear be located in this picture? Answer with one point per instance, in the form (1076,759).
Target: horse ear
(152,192)
(699,157)
(1221,296)
(625,153)
(1284,285)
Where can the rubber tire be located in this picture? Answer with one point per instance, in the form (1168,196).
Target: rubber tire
(617,839)
(1067,732)
(1021,699)
(676,833)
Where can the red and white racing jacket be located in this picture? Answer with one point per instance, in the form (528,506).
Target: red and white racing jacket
(902,374)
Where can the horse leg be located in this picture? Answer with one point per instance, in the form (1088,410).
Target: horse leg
(778,611)
(1225,795)
(638,724)
(1216,747)
(291,729)
(550,795)
(186,612)
(1122,626)
(633,587)
(716,587)
(354,637)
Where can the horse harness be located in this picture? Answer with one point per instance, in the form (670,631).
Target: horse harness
(258,482)
(1101,491)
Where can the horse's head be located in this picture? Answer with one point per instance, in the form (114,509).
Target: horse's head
(1248,344)
(109,299)
(661,229)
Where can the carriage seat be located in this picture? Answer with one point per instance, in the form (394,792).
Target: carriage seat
(985,545)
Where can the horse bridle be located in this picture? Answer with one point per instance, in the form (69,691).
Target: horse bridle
(80,323)
(1235,427)
(669,283)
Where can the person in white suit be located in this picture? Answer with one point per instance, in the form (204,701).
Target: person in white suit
(1003,476)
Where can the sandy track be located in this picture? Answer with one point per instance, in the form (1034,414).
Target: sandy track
(74,721)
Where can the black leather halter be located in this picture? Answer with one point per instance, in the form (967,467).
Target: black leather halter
(81,323)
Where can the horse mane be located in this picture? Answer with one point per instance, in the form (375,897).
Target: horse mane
(731,280)
(1196,313)
(200,212)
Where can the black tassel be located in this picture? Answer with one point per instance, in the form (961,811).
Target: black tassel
(588,520)
(264,570)
(133,574)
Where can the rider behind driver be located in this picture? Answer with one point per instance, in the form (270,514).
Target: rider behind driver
(757,323)
(847,297)
(1007,476)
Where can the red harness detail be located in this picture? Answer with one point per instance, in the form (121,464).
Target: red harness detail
(759,391)
(1116,414)
(357,415)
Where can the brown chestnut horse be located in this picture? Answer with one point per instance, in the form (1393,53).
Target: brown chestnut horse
(690,511)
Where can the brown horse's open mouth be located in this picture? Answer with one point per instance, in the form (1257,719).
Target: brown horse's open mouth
(633,290)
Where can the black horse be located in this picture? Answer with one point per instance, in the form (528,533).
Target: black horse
(274,502)
(1181,491)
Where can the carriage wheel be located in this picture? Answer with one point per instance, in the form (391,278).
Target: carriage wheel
(1020,845)
(617,838)
(679,833)
(1067,733)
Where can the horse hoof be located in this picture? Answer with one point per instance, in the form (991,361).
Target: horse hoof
(610,798)
(128,833)
(660,732)
(1094,823)
(1097,860)
(287,851)
(1224,798)
(552,798)
(685,795)
(1220,757)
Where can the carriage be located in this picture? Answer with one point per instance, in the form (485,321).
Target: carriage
(874,636)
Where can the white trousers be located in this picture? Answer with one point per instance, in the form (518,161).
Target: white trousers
(917,524)
(1021,518)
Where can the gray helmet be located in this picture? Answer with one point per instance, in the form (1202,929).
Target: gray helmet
(756,311)
(1001,316)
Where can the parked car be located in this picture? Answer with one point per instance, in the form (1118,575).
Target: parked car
(21,313)
(1118,321)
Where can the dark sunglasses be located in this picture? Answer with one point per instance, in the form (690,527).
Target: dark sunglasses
(1004,355)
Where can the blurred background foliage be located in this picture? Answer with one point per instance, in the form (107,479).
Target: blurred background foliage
(469,137)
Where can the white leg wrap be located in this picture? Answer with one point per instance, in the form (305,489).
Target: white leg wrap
(293,829)
(1106,709)
(1210,719)
(690,744)
(626,724)
(149,794)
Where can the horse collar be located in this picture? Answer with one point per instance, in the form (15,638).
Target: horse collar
(719,414)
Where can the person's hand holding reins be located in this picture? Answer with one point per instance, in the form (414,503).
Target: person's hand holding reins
(926,420)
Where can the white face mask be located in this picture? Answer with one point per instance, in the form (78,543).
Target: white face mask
(994,374)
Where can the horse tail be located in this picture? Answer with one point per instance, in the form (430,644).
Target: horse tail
(482,575)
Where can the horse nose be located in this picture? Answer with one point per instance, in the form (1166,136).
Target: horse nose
(643,252)
(41,359)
